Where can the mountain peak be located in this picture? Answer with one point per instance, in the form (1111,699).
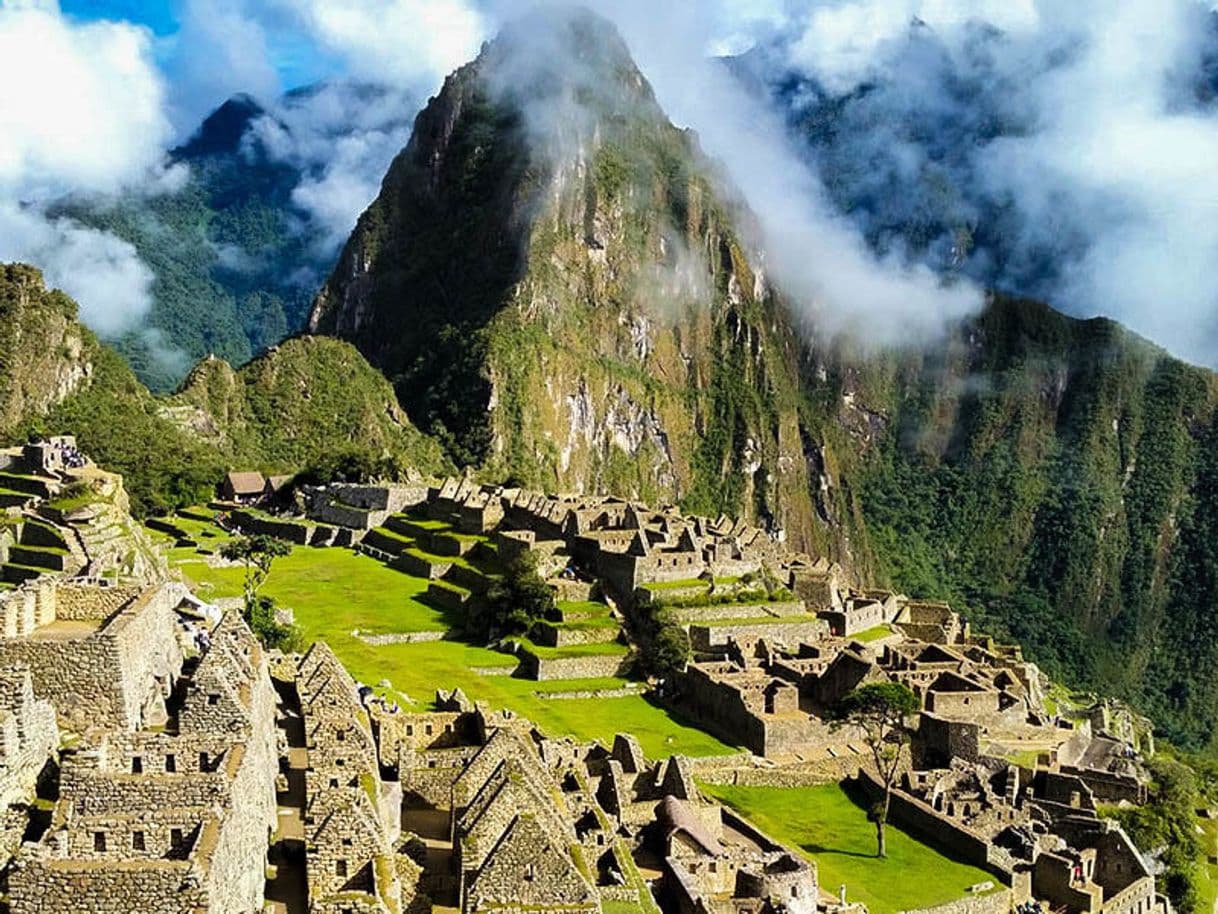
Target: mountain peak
(222,131)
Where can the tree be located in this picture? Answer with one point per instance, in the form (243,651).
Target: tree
(514,603)
(257,552)
(667,649)
(880,710)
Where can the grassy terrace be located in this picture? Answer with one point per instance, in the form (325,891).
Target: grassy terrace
(873,634)
(830,828)
(335,591)
(599,649)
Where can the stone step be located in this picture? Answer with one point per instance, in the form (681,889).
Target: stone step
(40,533)
(37,486)
(12,499)
(387,541)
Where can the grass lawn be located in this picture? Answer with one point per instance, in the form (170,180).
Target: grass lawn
(335,591)
(832,830)
(872,634)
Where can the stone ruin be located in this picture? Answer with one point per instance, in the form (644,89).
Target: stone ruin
(165,802)
(62,516)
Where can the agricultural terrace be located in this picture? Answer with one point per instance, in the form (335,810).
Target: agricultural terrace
(336,592)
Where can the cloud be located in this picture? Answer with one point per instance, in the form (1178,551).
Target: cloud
(341,136)
(1058,150)
(398,42)
(103,273)
(220,49)
(818,258)
(82,109)
(81,106)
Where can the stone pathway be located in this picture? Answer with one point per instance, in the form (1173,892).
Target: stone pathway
(288,891)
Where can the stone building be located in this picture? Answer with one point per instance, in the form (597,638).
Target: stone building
(716,863)
(104,656)
(29,735)
(351,817)
(171,819)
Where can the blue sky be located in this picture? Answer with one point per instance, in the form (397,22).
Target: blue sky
(158,15)
(296,59)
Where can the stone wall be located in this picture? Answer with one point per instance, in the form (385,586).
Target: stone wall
(595,667)
(938,830)
(80,603)
(997,902)
(110,677)
(83,887)
(709,637)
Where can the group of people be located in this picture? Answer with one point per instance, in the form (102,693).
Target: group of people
(68,455)
(367,696)
(1029,907)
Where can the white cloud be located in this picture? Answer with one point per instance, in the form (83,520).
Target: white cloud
(103,273)
(400,42)
(81,110)
(342,137)
(1077,140)
(81,106)
(220,49)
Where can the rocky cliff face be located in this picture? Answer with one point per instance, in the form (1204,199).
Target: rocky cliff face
(560,296)
(45,355)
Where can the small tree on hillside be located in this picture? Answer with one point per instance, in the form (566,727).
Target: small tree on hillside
(881,710)
(257,552)
(667,650)
(516,602)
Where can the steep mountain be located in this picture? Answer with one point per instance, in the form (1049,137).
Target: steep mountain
(45,355)
(560,295)
(303,399)
(1057,477)
(236,255)
(300,402)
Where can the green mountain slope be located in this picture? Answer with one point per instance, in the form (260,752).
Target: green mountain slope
(300,402)
(45,355)
(559,295)
(1057,477)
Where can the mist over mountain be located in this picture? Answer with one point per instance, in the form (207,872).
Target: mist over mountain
(1054,152)
(266,197)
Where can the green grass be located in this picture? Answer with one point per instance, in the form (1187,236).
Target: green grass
(872,634)
(334,591)
(589,608)
(826,824)
(1207,873)
(598,649)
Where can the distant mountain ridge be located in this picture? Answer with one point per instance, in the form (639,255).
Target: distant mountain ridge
(236,257)
(301,402)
